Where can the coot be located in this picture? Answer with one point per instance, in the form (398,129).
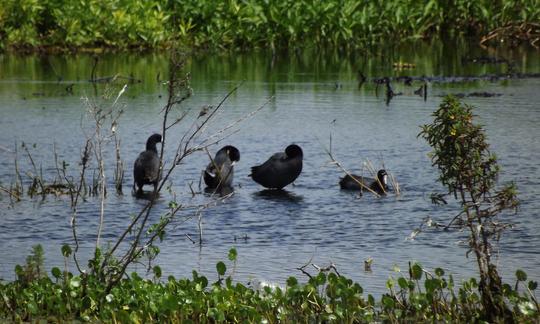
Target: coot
(220,171)
(280,169)
(146,167)
(380,187)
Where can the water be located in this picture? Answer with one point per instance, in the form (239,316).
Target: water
(314,96)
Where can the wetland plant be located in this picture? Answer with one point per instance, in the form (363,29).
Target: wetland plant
(469,171)
(236,24)
(415,296)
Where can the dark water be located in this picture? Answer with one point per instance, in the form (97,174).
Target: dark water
(314,220)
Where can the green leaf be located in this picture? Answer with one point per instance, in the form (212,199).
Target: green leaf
(56,272)
(292,281)
(521,275)
(389,283)
(402,282)
(533,285)
(232,254)
(203,281)
(157,271)
(19,270)
(32,307)
(135,276)
(431,285)
(171,302)
(221,268)
(416,271)
(371,300)
(321,278)
(388,302)
(66,250)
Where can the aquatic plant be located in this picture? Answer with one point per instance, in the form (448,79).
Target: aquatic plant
(417,295)
(343,24)
(469,171)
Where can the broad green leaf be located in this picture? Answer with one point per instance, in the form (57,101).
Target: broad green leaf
(221,268)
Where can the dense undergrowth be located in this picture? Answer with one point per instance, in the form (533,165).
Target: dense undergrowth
(349,24)
(414,296)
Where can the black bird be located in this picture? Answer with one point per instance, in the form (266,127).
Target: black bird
(220,171)
(350,182)
(146,167)
(280,169)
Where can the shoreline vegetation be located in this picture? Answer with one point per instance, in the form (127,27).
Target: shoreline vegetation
(90,25)
(414,295)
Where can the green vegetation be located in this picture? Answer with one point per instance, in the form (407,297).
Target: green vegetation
(349,24)
(419,296)
(470,171)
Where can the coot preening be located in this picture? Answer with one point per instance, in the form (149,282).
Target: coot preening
(146,167)
(220,171)
(280,169)
(380,187)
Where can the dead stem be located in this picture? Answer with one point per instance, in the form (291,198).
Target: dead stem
(12,193)
(119,171)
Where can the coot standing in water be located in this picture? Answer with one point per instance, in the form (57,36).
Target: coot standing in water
(220,171)
(280,169)
(146,167)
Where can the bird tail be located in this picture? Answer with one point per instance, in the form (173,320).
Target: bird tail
(253,171)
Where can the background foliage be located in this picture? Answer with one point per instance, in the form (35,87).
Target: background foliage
(249,23)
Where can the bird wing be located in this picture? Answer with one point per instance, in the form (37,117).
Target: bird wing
(271,165)
(147,166)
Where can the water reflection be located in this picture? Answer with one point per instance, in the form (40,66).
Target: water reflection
(69,75)
(279,195)
(146,195)
(220,192)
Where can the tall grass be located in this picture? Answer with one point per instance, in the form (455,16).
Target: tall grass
(347,24)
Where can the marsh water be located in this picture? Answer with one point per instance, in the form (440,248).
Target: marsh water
(315,96)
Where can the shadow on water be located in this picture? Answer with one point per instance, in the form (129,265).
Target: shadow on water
(220,192)
(279,195)
(146,195)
